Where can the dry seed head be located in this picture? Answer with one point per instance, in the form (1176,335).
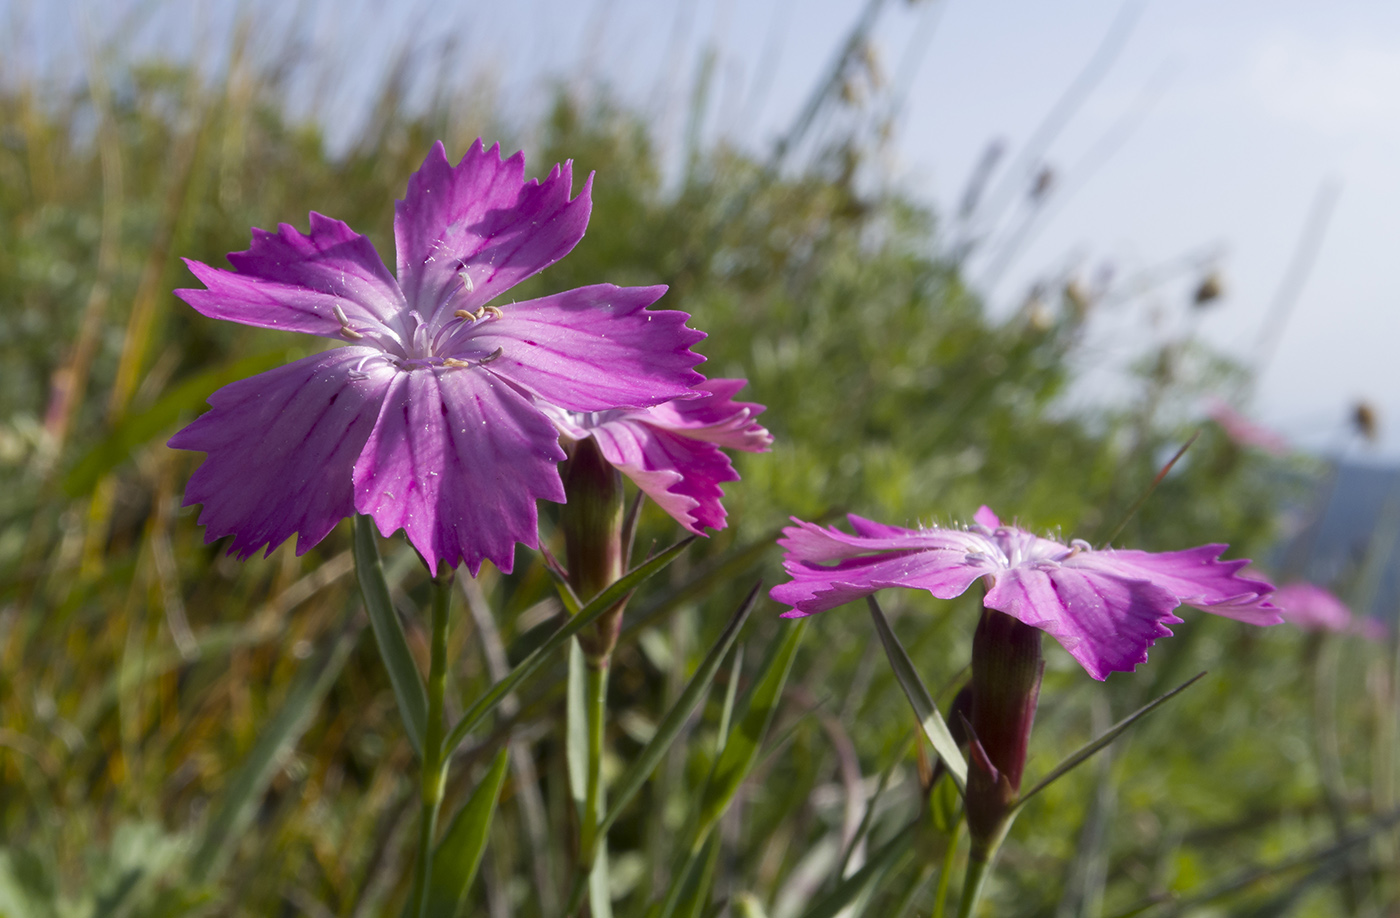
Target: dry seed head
(1210,289)
(1365,420)
(1044,183)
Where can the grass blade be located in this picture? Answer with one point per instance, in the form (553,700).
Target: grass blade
(586,616)
(458,855)
(136,430)
(914,689)
(697,893)
(742,746)
(1085,752)
(670,728)
(867,877)
(1142,499)
(388,634)
(576,727)
(236,808)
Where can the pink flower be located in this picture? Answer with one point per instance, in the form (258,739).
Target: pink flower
(1105,607)
(1244,431)
(1312,608)
(672,451)
(426,419)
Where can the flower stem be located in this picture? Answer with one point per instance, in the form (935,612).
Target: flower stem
(978,869)
(434,762)
(595,700)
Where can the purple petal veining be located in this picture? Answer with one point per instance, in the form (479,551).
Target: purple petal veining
(1105,607)
(427,420)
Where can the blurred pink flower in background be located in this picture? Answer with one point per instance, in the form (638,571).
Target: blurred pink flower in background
(1244,431)
(1313,608)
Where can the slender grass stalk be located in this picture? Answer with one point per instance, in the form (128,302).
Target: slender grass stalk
(595,700)
(434,772)
(945,873)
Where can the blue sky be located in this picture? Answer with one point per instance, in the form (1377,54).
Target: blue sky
(1229,118)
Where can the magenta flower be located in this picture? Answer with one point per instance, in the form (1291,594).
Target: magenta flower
(1244,431)
(1105,607)
(426,419)
(672,451)
(1312,608)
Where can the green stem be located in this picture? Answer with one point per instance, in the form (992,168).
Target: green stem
(595,700)
(434,761)
(978,869)
(945,873)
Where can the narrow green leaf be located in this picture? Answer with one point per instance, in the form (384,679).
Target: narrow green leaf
(745,739)
(1142,499)
(1145,907)
(704,578)
(731,694)
(458,855)
(572,604)
(868,817)
(576,727)
(866,878)
(697,894)
(388,634)
(1085,752)
(239,801)
(934,727)
(586,616)
(137,430)
(670,728)
(599,887)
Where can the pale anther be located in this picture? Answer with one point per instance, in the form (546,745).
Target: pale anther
(466,280)
(346,331)
(490,357)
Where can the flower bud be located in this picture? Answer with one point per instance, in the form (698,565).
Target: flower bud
(592,523)
(1006,669)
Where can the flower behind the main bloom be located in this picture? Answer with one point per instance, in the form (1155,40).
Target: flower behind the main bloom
(426,419)
(672,451)
(1106,607)
(1312,608)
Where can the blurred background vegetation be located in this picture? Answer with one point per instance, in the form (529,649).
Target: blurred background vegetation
(142,672)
